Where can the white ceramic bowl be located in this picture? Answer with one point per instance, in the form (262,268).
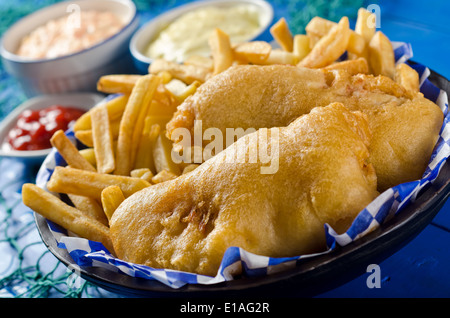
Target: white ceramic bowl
(78,71)
(141,39)
(84,101)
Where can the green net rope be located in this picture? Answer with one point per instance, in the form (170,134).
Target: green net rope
(25,280)
(29,280)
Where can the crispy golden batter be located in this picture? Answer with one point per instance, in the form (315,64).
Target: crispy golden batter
(188,223)
(404,124)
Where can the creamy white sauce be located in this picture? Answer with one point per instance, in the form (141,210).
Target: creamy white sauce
(70,34)
(188,35)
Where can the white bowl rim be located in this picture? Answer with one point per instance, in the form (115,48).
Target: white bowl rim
(188,6)
(8,55)
(12,117)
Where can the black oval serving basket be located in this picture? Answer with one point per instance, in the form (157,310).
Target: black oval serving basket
(312,276)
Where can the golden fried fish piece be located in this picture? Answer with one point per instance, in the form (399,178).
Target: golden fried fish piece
(404,124)
(323,176)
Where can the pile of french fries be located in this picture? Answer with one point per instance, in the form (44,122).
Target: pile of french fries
(323,45)
(126,146)
(126,150)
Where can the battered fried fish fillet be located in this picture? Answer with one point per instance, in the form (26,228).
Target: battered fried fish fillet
(188,223)
(404,124)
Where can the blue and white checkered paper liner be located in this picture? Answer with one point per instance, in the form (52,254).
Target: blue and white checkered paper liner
(238,261)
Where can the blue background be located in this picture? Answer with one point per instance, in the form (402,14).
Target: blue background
(421,268)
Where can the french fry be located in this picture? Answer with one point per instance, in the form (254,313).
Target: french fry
(69,152)
(282,35)
(158,109)
(111,198)
(163,175)
(115,128)
(89,206)
(165,97)
(117,83)
(353,67)
(255,52)
(184,72)
(313,39)
(102,140)
(91,184)
(356,43)
(301,46)
(319,27)
(144,155)
(406,76)
(70,218)
(330,47)
(143,173)
(176,87)
(364,54)
(166,77)
(162,154)
(202,61)
(141,95)
(158,120)
(138,130)
(221,51)
(115,109)
(365,24)
(89,155)
(381,55)
(278,56)
(186,92)
(85,136)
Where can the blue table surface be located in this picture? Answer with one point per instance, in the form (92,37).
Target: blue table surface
(421,268)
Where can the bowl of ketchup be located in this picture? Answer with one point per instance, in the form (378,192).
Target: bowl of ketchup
(25,133)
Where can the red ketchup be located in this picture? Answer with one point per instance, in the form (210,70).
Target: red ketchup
(34,128)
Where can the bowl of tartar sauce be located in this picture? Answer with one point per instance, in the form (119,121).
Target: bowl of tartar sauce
(68,46)
(184,31)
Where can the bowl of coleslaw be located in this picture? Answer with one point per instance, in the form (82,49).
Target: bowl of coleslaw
(67,46)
